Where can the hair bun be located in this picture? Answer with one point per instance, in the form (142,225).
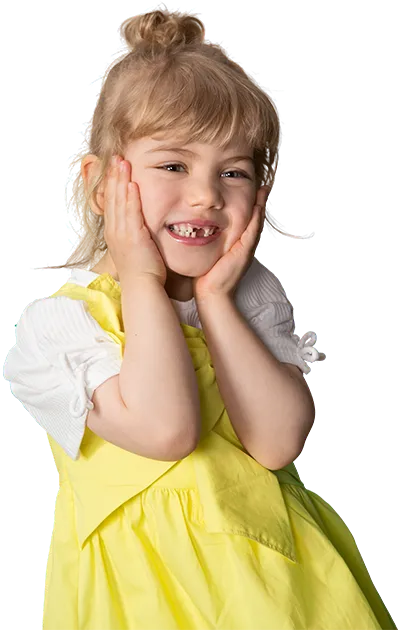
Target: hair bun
(162,30)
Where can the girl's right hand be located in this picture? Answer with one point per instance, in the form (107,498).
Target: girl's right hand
(127,237)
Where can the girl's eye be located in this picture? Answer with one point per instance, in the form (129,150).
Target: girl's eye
(166,166)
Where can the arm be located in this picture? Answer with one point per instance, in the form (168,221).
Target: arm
(271,410)
(157,380)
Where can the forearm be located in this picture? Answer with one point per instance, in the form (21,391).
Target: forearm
(269,409)
(157,379)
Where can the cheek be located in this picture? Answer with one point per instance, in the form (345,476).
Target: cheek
(163,195)
(241,220)
(240,224)
(156,205)
(234,232)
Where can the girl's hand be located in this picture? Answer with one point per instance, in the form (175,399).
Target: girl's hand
(128,239)
(224,276)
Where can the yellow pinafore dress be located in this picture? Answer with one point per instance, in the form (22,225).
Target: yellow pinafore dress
(211,541)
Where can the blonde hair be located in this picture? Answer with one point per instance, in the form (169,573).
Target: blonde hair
(172,82)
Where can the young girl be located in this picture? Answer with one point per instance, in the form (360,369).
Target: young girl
(168,376)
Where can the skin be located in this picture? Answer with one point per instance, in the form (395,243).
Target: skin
(202,186)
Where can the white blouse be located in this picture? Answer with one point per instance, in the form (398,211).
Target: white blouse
(62,354)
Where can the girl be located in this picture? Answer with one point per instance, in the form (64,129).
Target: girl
(168,376)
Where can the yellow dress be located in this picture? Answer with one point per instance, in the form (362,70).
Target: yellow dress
(211,541)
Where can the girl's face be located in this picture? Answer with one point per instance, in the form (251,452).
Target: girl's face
(201,182)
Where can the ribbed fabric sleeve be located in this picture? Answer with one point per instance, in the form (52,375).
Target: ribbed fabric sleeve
(62,354)
(265,306)
(60,357)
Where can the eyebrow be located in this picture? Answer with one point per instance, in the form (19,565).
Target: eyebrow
(180,150)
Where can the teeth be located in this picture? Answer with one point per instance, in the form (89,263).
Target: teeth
(188,231)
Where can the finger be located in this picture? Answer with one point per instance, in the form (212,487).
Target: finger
(262,196)
(109,198)
(253,228)
(259,214)
(262,222)
(134,217)
(265,194)
(258,223)
(121,196)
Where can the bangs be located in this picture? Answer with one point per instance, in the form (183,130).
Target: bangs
(171,85)
(198,102)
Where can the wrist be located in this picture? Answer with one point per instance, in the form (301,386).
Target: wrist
(213,303)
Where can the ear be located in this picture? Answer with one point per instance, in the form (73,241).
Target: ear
(90,169)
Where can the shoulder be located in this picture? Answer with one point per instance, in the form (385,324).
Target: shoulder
(40,309)
(267,281)
(55,320)
(60,305)
(52,326)
(260,287)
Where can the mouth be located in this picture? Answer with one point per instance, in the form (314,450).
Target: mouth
(194,236)
(195,231)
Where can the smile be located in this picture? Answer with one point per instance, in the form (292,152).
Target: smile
(194,240)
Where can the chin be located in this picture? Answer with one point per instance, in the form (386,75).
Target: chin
(190,271)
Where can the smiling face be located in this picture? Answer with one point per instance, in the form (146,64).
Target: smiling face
(207,183)
(204,182)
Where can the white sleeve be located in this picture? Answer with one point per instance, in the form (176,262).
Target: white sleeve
(60,357)
(270,315)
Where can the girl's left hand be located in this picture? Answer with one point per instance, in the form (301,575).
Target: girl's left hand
(224,276)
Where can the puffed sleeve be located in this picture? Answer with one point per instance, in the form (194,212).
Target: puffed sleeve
(60,357)
(270,314)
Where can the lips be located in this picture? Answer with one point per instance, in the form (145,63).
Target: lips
(199,229)
(196,223)
(194,241)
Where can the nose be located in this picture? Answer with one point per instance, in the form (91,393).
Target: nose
(204,193)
